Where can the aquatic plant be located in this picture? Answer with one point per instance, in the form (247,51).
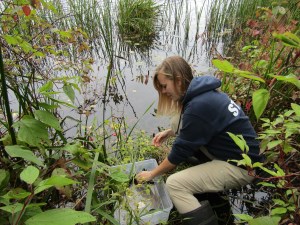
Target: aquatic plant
(137,21)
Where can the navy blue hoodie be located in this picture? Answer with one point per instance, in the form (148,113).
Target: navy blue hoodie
(207,116)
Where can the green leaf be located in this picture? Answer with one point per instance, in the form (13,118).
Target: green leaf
(278,211)
(257,164)
(39,54)
(41,187)
(249,75)
(289,39)
(227,67)
(243,217)
(82,163)
(245,48)
(292,36)
(17,193)
(239,141)
(223,65)
(17,207)
(32,131)
(287,148)
(291,78)
(22,152)
(119,176)
(75,148)
(12,208)
(59,181)
(265,184)
(48,119)
(247,160)
(268,171)
(64,103)
(29,174)
(4,178)
(296,108)
(273,144)
(59,172)
(280,171)
(265,220)
(291,208)
(11,39)
(279,202)
(67,34)
(26,47)
(261,64)
(60,217)
(69,92)
(51,7)
(46,87)
(260,100)
(108,217)
(47,106)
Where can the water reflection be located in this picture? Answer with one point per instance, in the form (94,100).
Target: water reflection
(130,90)
(178,38)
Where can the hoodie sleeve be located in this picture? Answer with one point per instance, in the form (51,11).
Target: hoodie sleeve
(190,139)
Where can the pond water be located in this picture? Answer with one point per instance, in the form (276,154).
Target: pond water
(183,23)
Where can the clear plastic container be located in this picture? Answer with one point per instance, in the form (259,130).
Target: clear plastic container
(146,203)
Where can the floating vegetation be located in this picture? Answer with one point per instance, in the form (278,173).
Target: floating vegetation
(137,21)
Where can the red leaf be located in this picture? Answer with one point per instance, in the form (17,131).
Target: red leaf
(252,23)
(255,32)
(26,9)
(248,106)
(16,18)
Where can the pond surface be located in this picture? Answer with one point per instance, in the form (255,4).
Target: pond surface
(182,25)
(141,95)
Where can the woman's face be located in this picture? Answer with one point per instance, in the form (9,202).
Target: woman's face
(169,88)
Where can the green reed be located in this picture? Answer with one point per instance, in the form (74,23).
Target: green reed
(137,21)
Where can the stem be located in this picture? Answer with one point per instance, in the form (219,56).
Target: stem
(104,105)
(28,200)
(6,101)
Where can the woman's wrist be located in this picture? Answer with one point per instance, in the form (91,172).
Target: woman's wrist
(171,132)
(151,174)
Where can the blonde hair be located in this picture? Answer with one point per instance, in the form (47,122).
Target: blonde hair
(174,68)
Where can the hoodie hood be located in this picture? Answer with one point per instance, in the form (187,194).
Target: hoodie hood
(199,85)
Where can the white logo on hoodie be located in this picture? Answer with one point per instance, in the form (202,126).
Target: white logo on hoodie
(234,108)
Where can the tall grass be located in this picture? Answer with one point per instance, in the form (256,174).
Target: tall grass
(178,28)
(137,21)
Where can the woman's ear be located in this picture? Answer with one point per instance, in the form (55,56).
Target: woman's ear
(180,85)
(178,81)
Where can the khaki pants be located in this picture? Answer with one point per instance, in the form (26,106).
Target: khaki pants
(212,176)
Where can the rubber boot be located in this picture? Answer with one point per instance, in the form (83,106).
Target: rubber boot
(204,215)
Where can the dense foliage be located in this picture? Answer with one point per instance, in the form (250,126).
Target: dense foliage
(260,70)
(46,61)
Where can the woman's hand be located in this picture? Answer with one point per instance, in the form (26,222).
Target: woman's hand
(162,168)
(162,137)
(144,176)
